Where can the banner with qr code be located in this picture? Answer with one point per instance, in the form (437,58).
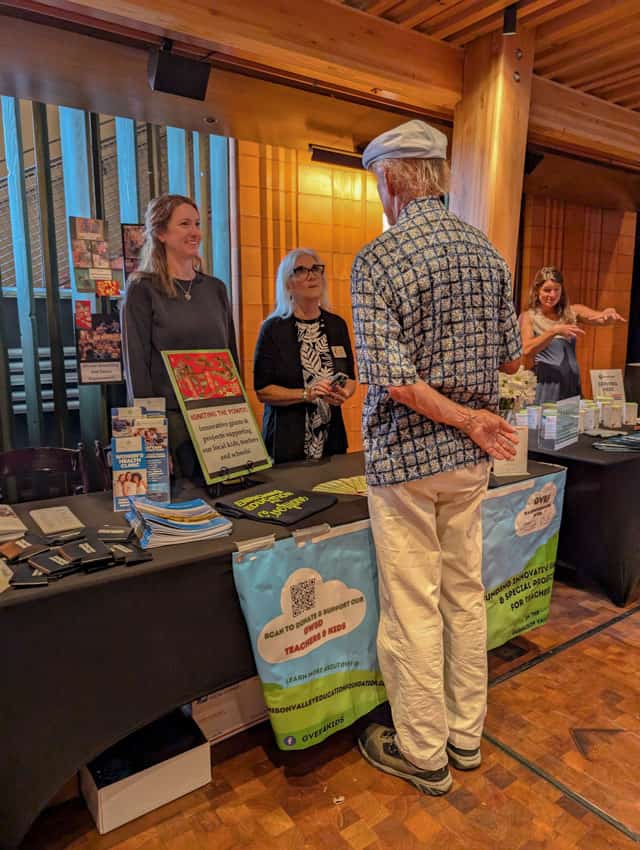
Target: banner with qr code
(312,613)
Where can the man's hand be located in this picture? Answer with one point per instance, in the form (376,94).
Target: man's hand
(492,433)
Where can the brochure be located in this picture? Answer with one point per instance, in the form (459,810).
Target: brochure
(155,434)
(129,467)
(179,522)
(11,526)
(55,520)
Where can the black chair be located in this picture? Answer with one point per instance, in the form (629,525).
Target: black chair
(42,473)
(103,458)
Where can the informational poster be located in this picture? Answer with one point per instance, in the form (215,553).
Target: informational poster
(132,242)
(222,426)
(312,614)
(608,382)
(99,349)
(521,523)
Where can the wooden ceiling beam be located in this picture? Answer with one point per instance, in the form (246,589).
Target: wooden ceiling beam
(596,56)
(621,90)
(587,75)
(449,23)
(466,36)
(530,12)
(534,13)
(430,10)
(583,124)
(334,44)
(547,60)
(612,78)
(629,98)
(559,30)
(381,6)
(355,55)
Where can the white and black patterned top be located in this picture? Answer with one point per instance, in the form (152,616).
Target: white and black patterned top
(316,362)
(431,300)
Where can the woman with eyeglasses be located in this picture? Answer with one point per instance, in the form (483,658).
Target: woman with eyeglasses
(303,365)
(549,331)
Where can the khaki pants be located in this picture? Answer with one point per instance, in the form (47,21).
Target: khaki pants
(432,632)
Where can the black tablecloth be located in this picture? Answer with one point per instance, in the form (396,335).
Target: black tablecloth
(90,659)
(600,532)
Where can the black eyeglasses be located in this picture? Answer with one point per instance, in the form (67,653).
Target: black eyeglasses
(304,271)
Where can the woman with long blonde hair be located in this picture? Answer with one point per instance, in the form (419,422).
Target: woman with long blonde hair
(170,304)
(549,331)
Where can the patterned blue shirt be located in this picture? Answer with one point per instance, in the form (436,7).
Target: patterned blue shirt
(431,300)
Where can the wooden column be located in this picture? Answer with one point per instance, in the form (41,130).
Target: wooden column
(490,137)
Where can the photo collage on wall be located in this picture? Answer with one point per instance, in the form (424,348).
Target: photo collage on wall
(98,338)
(93,267)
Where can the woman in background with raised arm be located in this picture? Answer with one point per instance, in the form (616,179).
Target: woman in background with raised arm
(550,328)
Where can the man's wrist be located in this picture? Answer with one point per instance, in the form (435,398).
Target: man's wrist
(305,394)
(467,420)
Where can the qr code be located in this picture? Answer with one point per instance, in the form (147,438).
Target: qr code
(303,596)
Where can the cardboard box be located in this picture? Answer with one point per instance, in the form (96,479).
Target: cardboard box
(230,710)
(149,768)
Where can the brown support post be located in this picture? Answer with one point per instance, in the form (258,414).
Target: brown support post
(490,137)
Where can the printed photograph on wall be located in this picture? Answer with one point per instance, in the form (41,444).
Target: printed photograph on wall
(99,350)
(132,242)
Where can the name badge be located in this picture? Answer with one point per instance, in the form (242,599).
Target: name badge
(338,351)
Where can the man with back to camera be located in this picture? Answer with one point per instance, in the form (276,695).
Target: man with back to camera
(434,322)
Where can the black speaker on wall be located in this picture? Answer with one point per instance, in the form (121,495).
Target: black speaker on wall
(178,75)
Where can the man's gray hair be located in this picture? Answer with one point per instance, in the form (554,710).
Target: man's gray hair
(415,178)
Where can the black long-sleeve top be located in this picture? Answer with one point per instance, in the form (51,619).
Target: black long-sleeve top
(277,361)
(152,322)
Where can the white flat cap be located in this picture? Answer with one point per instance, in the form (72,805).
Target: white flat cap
(412,140)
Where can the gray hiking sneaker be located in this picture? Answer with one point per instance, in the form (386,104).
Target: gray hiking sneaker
(378,745)
(464,759)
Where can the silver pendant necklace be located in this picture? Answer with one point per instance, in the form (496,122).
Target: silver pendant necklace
(185,292)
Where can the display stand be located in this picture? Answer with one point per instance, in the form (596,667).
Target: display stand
(230,485)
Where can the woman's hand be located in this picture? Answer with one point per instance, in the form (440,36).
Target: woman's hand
(320,388)
(610,315)
(568,331)
(337,396)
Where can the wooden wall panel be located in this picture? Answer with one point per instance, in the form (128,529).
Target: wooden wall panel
(287,201)
(594,248)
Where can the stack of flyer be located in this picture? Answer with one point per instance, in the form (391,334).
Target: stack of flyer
(180,522)
(140,453)
(11,526)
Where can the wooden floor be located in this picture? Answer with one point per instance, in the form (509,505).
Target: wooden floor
(561,766)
